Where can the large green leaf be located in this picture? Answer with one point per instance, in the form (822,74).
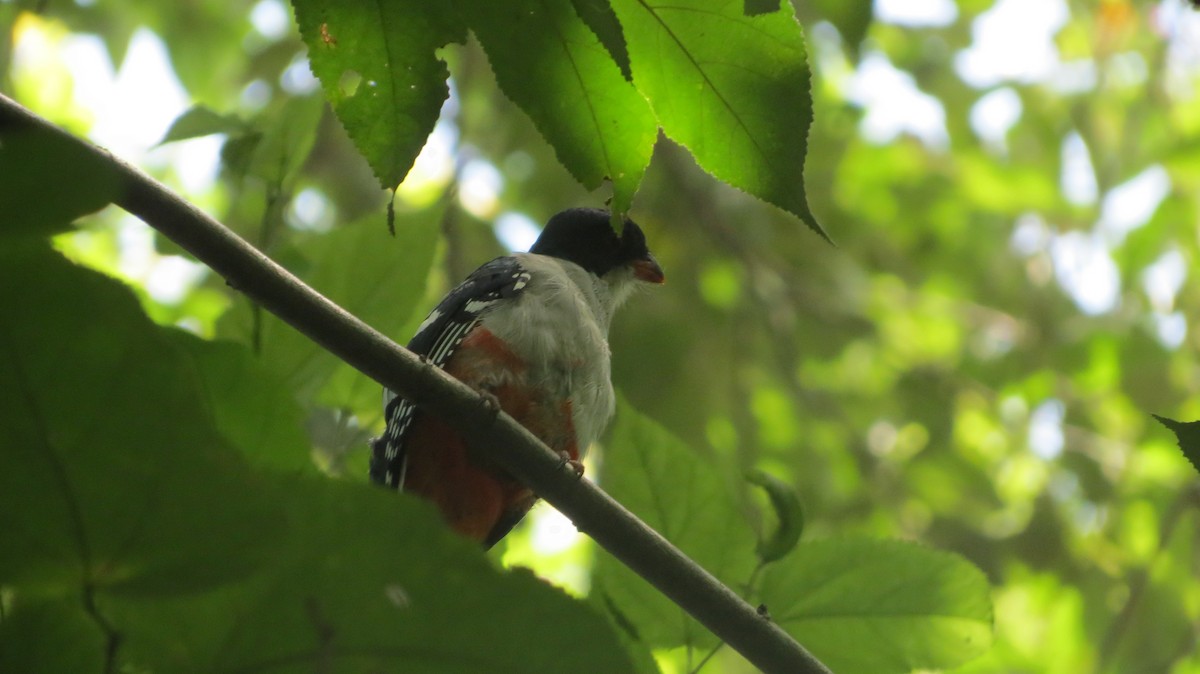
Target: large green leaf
(686,500)
(369,581)
(112,475)
(877,606)
(733,89)
(50,637)
(377,65)
(48,182)
(560,74)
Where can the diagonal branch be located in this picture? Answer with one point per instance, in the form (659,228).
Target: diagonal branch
(510,445)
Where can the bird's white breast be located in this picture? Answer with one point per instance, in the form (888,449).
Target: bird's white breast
(559,326)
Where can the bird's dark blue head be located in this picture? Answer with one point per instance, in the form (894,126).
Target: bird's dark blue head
(586,237)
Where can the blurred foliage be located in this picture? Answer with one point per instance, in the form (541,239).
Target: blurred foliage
(944,375)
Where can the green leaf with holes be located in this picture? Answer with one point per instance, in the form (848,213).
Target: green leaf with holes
(877,606)
(733,89)
(686,499)
(565,80)
(377,64)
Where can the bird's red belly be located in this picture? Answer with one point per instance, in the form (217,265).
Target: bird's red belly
(473,497)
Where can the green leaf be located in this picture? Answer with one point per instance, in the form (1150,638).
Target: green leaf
(788,511)
(277,144)
(253,410)
(562,77)
(377,65)
(1187,433)
(372,581)
(49,182)
(111,474)
(199,121)
(376,277)
(237,153)
(731,88)
(50,638)
(687,500)
(600,17)
(289,133)
(639,653)
(880,606)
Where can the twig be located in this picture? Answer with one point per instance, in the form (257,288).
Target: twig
(514,448)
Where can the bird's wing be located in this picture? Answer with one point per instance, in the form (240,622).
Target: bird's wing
(437,338)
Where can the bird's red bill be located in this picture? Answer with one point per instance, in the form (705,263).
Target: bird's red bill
(648,270)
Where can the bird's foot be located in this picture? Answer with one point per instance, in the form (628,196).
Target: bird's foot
(490,403)
(575,465)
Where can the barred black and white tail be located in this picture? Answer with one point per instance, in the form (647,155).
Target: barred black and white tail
(437,338)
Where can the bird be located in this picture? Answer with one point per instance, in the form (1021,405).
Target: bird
(529,331)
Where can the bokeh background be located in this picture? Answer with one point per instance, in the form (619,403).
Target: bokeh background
(1012,188)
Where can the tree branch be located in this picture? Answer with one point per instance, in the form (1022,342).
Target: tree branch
(511,446)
